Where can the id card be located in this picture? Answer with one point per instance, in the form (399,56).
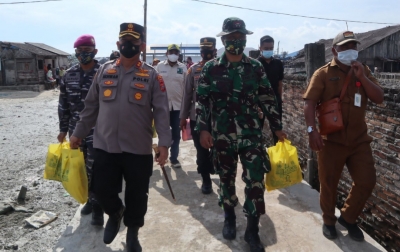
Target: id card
(357,100)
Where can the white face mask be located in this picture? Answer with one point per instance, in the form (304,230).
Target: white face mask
(172,57)
(346,57)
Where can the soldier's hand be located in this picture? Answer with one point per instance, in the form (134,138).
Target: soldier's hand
(281,135)
(74,142)
(162,158)
(206,140)
(61,136)
(315,141)
(182,124)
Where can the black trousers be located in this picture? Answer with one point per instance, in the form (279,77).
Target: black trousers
(108,171)
(203,158)
(280,117)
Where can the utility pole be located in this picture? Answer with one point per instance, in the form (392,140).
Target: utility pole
(145,29)
(278,48)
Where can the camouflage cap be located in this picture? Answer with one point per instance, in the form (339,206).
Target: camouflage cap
(208,42)
(344,37)
(233,24)
(173,47)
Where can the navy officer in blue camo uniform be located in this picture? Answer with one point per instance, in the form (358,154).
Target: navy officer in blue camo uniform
(74,87)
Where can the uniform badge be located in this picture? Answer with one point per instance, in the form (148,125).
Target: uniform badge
(109,82)
(198,70)
(179,71)
(118,62)
(161,82)
(139,85)
(138,96)
(189,71)
(142,72)
(107,93)
(112,71)
(139,64)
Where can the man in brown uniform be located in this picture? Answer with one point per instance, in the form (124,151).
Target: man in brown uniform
(350,146)
(126,95)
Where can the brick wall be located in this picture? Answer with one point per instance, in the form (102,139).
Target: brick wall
(381,215)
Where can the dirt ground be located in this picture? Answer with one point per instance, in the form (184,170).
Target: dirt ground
(28,124)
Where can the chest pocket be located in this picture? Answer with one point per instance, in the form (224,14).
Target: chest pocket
(250,80)
(108,89)
(138,93)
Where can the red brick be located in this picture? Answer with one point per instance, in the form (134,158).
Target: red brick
(393,120)
(394,233)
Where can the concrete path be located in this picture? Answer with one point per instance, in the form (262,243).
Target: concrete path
(194,222)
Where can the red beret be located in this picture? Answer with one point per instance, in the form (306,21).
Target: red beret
(85,40)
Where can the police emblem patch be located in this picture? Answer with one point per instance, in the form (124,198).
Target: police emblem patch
(109,82)
(139,85)
(107,93)
(348,34)
(138,96)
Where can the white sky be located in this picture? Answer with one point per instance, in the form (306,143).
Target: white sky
(58,24)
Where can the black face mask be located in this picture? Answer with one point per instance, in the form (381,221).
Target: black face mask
(128,49)
(207,54)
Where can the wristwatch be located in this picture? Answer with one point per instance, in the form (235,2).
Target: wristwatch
(310,129)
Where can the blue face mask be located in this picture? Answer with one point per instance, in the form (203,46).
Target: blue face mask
(267,54)
(85,57)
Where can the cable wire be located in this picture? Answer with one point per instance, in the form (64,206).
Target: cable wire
(31,2)
(293,15)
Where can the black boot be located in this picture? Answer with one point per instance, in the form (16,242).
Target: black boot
(97,215)
(251,234)
(132,241)
(354,231)
(112,226)
(87,208)
(229,230)
(206,187)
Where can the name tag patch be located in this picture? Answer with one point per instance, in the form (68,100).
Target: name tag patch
(110,76)
(141,79)
(72,77)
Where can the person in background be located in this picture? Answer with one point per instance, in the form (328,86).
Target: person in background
(204,164)
(274,69)
(114,55)
(189,62)
(155,62)
(173,73)
(74,87)
(349,146)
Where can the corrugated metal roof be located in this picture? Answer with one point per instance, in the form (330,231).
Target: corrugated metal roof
(165,46)
(49,48)
(30,48)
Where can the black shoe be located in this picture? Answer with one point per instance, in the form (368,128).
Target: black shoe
(251,235)
(206,188)
(132,241)
(229,230)
(112,226)
(97,215)
(354,231)
(329,231)
(87,208)
(176,164)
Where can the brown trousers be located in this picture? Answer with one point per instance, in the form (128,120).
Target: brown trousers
(360,164)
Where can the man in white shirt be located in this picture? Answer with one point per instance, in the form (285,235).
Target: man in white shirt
(174,74)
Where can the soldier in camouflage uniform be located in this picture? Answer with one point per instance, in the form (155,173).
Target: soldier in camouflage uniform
(204,164)
(230,90)
(74,87)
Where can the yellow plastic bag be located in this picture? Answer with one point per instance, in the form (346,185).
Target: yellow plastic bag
(52,169)
(74,178)
(285,167)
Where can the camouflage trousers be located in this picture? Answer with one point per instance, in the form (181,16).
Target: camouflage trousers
(255,164)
